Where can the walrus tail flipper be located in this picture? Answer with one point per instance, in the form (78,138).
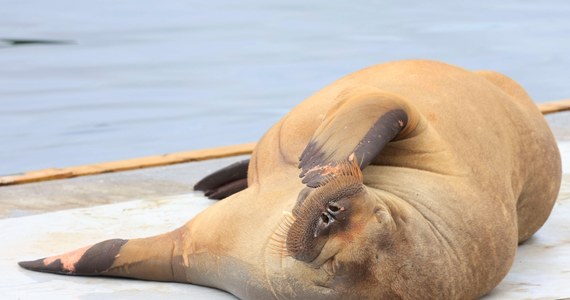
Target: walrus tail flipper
(362,123)
(148,258)
(225,182)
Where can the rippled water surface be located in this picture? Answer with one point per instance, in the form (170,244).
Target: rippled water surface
(134,78)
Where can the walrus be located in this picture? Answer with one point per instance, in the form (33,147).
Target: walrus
(405,180)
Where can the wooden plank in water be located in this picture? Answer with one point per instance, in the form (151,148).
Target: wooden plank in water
(129,164)
(553,107)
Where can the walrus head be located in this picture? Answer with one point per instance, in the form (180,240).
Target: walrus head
(336,205)
(337,213)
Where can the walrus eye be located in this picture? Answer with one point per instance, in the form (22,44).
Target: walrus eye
(323,224)
(333,208)
(332,214)
(338,209)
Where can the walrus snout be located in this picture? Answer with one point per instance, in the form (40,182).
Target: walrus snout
(323,212)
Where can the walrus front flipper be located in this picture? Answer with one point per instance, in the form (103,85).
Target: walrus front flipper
(148,258)
(363,122)
(225,182)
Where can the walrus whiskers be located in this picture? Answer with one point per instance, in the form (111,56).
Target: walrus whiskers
(277,241)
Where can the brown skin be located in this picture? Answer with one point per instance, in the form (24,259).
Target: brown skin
(458,167)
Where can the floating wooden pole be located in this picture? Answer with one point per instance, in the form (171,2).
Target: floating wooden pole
(175,158)
(556,106)
(129,164)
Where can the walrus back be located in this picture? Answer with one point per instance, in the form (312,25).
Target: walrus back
(541,162)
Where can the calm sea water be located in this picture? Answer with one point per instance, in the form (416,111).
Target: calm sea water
(145,77)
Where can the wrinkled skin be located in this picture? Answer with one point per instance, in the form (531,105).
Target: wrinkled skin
(458,167)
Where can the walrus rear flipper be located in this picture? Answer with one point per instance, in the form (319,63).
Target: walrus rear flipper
(148,258)
(361,124)
(225,182)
